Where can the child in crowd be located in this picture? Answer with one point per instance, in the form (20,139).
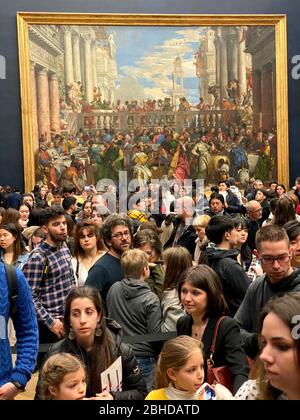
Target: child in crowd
(63,378)
(180,373)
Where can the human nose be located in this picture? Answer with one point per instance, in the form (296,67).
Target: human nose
(276,263)
(266,355)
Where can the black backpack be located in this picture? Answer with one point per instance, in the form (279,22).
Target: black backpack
(11,277)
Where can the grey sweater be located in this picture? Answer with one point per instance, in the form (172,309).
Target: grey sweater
(137,309)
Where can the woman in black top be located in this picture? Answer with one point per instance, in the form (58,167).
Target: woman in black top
(200,292)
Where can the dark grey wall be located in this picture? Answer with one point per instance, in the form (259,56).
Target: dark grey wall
(11,156)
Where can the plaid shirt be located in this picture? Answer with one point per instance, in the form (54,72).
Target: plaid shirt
(49,294)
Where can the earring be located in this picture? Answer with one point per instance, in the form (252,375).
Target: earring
(98,330)
(71,334)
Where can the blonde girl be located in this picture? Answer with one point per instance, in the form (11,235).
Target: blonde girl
(63,377)
(179,371)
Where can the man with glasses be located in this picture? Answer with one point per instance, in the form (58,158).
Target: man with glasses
(274,253)
(254,221)
(116,232)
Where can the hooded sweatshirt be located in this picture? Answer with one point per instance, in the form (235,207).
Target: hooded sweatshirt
(233,277)
(258,294)
(137,309)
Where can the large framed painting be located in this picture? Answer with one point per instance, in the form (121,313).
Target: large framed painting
(158,96)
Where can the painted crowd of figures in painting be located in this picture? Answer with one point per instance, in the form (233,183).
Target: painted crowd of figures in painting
(183,103)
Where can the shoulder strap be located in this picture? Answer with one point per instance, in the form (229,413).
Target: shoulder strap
(12,287)
(213,344)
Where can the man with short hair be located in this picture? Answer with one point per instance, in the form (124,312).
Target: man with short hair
(222,258)
(13,379)
(50,275)
(254,221)
(216,205)
(117,233)
(274,253)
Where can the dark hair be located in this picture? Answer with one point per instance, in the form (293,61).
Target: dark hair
(103,352)
(273,204)
(18,245)
(11,215)
(284,211)
(204,278)
(217,227)
(92,227)
(111,222)
(68,202)
(148,236)
(292,229)
(271,233)
(177,259)
(51,213)
(216,196)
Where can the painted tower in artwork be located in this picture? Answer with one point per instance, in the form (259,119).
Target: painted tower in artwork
(177,77)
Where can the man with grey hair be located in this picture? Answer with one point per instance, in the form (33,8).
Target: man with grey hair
(183,233)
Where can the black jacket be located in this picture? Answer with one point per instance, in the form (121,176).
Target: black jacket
(233,277)
(228,351)
(258,294)
(187,239)
(134,387)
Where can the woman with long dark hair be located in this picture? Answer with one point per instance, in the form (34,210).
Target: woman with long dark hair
(98,343)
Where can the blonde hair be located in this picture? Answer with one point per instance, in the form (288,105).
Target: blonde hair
(55,369)
(175,354)
(201,220)
(133,263)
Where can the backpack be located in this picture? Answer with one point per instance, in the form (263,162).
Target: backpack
(11,278)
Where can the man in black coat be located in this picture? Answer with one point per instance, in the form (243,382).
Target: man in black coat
(183,233)
(274,252)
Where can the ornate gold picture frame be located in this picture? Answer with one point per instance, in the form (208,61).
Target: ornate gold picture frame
(175,96)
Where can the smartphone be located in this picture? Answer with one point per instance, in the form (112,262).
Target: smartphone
(87,189)
(206,392)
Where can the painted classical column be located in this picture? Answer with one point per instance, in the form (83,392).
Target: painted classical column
(43,108)
(69,73)
(94,68)
(217,48)
(35,131)
(223,67)
(267,96)
(87,68)
(257,106)
(232,49)
(242,70)
(76,58)
(54,104)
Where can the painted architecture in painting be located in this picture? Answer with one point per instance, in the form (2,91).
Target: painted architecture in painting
(175,103)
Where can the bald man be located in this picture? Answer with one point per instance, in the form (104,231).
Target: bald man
(254,221)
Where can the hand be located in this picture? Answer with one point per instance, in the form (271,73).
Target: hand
(105,395)
(58,328)
(8,391)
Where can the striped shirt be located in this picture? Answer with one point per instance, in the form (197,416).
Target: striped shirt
(49,291)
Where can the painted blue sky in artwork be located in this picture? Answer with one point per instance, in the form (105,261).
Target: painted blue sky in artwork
(145,58)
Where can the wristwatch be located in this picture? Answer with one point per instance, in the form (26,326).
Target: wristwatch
(19,386)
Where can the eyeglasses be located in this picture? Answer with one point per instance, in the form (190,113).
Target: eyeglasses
(120,235)
(268,260)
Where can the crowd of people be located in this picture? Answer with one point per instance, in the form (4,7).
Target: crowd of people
(140,305)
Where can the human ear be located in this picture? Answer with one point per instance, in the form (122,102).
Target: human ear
(52,391)
(171,374)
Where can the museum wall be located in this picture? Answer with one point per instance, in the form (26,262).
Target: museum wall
(11,147)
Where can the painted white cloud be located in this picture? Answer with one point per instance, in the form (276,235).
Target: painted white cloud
(156,68)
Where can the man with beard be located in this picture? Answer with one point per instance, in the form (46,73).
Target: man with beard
(50,275)
(117,233)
